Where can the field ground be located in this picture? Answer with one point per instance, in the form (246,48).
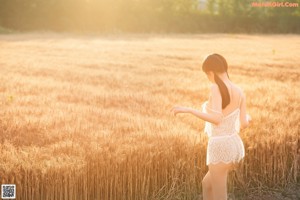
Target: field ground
(87,116)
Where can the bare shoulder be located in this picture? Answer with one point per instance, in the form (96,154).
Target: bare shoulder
(214,87)
(241,91)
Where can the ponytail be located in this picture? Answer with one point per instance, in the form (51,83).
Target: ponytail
(224,91)
(217,64)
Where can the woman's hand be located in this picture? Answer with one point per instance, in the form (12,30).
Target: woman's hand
(179,109)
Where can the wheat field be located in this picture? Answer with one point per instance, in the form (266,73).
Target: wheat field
(86,117)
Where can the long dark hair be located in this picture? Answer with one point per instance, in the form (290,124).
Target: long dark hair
(217,64)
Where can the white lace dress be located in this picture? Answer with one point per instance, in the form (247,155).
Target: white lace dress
(224,144)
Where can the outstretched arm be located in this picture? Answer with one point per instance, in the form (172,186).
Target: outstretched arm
(215,117)
(212,118)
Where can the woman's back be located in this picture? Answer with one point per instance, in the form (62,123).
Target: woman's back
(235,94)
(230,123)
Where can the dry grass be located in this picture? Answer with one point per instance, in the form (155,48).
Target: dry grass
(87,117)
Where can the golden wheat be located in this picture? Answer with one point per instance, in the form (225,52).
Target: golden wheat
(88,117)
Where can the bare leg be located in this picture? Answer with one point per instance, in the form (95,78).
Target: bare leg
(218,173)
(207,187)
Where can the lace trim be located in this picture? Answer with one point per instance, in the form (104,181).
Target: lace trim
(227,162)
(216,137)
(229,123)
(206,107)
(230,149)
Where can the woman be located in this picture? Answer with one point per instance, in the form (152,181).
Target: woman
(225,114)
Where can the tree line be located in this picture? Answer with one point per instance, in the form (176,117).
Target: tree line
(149,16)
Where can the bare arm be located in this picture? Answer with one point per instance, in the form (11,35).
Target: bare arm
(212,118)
(243,115)
(215,117)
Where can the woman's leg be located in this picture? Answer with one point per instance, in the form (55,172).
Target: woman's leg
(207,187)
(218,173)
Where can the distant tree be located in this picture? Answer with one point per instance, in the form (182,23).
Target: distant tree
(148,15)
